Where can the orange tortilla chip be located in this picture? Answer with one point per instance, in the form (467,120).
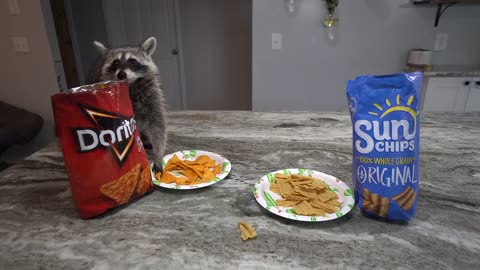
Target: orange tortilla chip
(208,175)
(217,169)
(184,181)
(201,160)
(172,164)
(190,174)
(197,168)
(168,178)
(200,170)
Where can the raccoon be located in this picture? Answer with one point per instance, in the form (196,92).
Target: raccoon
(135,65)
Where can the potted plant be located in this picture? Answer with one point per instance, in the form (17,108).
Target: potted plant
(330,21)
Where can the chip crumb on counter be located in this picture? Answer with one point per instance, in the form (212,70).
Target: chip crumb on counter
(248,232)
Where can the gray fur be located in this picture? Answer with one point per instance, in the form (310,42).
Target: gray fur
(145,92)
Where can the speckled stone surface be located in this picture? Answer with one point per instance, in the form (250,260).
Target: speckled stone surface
(171,229)
(453,71)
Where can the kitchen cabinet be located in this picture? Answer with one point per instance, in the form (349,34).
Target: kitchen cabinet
(452,94)
(473,99)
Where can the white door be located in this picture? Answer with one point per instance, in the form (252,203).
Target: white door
(473,100)
(448,94)
(130,22)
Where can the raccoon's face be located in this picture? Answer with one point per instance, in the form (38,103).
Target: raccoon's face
(129,63)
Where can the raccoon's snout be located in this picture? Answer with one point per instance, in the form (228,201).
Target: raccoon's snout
(121,75)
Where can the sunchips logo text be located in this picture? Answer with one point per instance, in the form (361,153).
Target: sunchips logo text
(111,131)
(387,135)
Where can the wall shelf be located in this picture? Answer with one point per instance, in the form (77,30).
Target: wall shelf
(435,2)
(443,5)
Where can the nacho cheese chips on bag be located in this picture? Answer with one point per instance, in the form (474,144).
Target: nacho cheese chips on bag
(386,143)
(104,157)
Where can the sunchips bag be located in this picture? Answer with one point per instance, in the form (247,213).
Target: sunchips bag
(104,157)
(386,143)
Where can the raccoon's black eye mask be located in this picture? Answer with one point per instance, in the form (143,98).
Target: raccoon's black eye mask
(113,67)
(136,66)
(133,61)
(131,64)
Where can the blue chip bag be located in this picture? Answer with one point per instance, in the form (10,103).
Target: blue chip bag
(386,143)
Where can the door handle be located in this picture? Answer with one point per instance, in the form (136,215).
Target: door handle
(466,83)
(477,83)
(174,52)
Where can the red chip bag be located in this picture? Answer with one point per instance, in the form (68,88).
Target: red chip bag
(104,156)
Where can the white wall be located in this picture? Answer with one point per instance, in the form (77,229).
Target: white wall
(217,37)
(373,37)
(28,80)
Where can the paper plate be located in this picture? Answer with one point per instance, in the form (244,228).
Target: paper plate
(192,155)
(266,198)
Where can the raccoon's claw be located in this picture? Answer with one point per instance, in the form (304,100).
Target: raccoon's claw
(157,169)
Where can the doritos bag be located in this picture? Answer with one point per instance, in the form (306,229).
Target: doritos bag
(386,143)
(104,156)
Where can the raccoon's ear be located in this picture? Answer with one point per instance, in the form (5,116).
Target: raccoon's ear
(149,45)
(101,49)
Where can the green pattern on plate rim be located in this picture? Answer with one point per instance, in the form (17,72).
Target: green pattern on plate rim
(348,192)
(224,165)
(267,198)
(189,154)
(292,213)
(271,177)
(255,190)
(192,154)
(334,189)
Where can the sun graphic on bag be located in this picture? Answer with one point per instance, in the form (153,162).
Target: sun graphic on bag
(398,107)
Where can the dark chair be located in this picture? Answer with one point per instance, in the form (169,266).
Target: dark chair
(17,126)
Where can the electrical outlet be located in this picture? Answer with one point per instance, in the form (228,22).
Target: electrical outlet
(276,41)
(20,44)
(13,7)
(441,41)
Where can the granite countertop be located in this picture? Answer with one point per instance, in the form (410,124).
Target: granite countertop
(198,229)
(452,71)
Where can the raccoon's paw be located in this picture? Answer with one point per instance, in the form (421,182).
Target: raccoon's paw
(157,169)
